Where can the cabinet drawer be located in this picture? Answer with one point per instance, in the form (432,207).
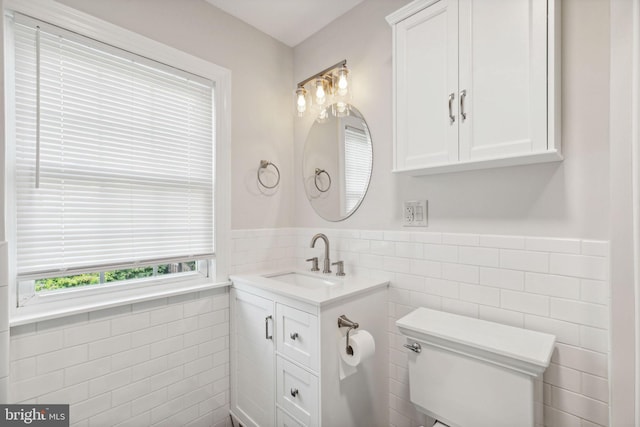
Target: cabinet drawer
(285,420)
(297,335)
(297,392)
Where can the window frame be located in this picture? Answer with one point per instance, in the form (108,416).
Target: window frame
(87,299)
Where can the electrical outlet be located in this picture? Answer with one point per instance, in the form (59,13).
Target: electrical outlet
(414,213)
(409,214)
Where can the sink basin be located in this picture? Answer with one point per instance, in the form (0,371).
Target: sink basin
(303,280)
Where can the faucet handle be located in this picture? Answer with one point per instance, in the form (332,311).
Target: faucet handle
(340,265)
(314,263)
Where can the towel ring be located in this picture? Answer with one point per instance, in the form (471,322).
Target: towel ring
(263,165)
(315,180)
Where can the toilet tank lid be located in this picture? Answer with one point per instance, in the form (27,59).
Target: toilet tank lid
(521,349)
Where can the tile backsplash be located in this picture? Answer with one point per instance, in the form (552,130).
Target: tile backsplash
(553,285)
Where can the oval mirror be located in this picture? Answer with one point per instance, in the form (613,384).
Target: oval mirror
(337,162)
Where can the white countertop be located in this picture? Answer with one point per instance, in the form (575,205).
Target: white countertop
(340,287)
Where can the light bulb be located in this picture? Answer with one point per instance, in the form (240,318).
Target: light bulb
(343,81)
(301,101)
(320,92)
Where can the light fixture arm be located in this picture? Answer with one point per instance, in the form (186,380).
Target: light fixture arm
(323,72)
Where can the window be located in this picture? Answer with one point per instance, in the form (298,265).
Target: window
(114,166)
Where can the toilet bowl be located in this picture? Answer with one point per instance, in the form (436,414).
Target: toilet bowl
(466,372)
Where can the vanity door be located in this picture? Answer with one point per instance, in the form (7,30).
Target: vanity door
(252,359)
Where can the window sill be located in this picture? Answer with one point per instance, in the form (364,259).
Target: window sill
(85,304)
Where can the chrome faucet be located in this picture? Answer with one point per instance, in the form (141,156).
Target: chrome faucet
(327,262)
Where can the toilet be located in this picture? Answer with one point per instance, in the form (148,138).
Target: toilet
(466,372)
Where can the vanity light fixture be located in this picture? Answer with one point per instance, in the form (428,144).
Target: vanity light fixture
(330,87)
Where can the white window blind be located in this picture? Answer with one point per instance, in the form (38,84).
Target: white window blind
(114,155)
(357,159)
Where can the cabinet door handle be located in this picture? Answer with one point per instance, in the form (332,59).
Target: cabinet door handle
(452,118)
(294,392)
(294,336)
(266,328)
(463,95)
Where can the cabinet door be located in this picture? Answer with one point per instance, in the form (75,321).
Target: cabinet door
(426,56)
(252,359)
(503,72)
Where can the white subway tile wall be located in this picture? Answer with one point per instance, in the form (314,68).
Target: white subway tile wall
(158,363)
(554,285)
(270,248)
(165,362)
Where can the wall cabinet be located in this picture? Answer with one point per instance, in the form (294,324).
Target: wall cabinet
(285,361)
(475,84)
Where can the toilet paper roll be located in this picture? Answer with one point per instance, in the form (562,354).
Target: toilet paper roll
(363,346)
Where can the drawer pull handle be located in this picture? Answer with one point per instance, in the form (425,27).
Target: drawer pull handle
(415,347)
(294,392)
(266,328)
(294,336)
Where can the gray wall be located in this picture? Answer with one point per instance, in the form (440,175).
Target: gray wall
(568,199)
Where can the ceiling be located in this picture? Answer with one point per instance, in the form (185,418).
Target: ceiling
(290,21)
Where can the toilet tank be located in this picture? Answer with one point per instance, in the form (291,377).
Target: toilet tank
(474,373)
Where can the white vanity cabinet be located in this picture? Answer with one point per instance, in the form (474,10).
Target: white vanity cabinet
(476,84)
(285,367)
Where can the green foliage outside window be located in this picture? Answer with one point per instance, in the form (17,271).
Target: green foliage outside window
(111,276)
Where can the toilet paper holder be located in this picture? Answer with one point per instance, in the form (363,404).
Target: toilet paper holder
(344,322)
